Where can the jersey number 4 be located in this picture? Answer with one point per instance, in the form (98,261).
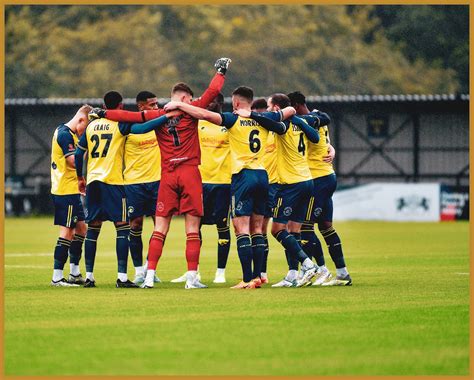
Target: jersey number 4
(95,139)
(301,146)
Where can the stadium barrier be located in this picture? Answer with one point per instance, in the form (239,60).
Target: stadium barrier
(414,202)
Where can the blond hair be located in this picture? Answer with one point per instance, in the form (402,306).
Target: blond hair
(84,110)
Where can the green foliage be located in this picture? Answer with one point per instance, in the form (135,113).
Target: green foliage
(438,34)
(84,51)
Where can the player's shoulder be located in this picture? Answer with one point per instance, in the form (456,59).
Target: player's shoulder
(63,132)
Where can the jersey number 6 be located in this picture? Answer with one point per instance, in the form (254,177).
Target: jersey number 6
(254,142)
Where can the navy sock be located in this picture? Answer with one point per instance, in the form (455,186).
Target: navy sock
(291,244)
(291,260)
(75,250)
(90,247)
(334,246)
(265,254)
(223,246)
(121,246)
(258,249)
(311,244)
(244,249)
(60,253)
(136,246)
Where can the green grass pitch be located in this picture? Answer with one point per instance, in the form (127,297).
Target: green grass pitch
(406,314)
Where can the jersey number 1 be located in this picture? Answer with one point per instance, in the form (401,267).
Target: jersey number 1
(173,132)
(96,141)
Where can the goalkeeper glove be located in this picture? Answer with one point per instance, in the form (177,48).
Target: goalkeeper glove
(96,113)
(222,64)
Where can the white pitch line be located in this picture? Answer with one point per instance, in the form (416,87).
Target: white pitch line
(464,274)
(27,254)
(27,266)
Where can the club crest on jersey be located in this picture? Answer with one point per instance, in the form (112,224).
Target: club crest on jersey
(131,209)
(239,206)
(53,165)
(287,211)
(317,211)
(160,206)
(75,219)
(71,147)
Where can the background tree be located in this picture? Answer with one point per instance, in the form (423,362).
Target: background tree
(84,51)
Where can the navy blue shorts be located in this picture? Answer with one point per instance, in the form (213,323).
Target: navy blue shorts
(271,201)
(106,202)
(292,202)
(249,191)
(216,200)
(68,210)
(320,204)
(141,199)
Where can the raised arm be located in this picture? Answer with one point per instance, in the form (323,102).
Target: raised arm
(216,84)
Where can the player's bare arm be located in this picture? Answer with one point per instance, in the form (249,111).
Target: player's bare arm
(70,161)
(287,112)
(329,158)
(196,112)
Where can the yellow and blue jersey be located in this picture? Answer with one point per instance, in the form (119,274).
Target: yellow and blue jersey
(317,151)
(142,159)
(292,152)
(270,158)
(104,142)
(215,153)
(247,140)
(63,176)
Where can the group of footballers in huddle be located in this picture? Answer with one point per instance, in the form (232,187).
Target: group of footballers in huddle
(268,159)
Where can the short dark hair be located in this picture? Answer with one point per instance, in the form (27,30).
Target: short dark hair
(244,92)
(297,97)
(143,96)
(259,103)
(181,86)
(112,99)
(280,100)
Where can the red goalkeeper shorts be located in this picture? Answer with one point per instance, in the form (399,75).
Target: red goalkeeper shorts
(180,192)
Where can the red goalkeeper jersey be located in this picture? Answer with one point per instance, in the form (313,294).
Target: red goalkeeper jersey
(178,139)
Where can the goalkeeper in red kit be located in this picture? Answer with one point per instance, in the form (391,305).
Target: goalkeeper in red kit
(181,186)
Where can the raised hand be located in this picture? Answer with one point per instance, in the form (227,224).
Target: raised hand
(222,65)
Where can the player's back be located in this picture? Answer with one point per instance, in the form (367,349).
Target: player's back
(142,159)
(179,142)
(105,141)
(247,139)
(63,176)
(292,152)
(215,152)
(270,158)
(316,152)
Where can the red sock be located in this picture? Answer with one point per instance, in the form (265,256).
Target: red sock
(155,249)
(193,248)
